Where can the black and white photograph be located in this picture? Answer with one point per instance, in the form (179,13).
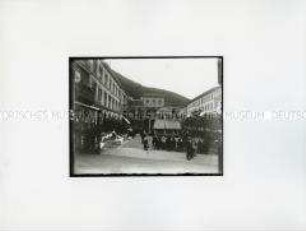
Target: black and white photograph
(171,115)
(146,116)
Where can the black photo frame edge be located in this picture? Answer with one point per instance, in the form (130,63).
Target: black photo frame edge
(71,128)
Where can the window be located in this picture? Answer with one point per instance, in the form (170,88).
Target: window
(109,101)
(105,99)
(93,84)
(106,80)
(77,76)
(99,95)
(91,64)
(102,97)
(96,67)
(101,74)
(84,77)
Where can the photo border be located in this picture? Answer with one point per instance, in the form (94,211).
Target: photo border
(71,127)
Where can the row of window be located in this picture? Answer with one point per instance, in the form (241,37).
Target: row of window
(109,83)
(212,106)
(206,98)
(108,100)
(104,76)
(208,107)
(154,102)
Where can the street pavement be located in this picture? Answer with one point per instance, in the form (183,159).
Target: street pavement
(130,158)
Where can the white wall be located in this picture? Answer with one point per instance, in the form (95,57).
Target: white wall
(263,44)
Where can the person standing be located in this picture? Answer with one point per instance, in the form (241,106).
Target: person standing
(194,147)
(163,142)
(188,148)
(142,135)
(146,143)
(168,143)
(155,142)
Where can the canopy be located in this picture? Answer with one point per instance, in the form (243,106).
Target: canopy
(167,124)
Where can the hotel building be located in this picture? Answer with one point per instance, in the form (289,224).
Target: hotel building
(207,102)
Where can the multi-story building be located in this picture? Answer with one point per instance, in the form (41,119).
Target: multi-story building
(153,102)
(169,113)
(207,102)
(208,128)
(142,111)
(98,97)
(106,92)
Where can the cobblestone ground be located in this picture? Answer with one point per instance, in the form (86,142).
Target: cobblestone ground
(130,158)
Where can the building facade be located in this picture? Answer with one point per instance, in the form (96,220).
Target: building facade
(153,102)
(207,102)
(144,111)
(98,102)
(106,93)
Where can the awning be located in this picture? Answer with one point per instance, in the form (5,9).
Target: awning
(86,105)
(167,124)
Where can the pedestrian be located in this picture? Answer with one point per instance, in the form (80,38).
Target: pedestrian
(142,135)
(146,143)
(194,147)
(163,142)
(168,143)
(155,142)
(173,143)
(177,143)
(180,144)
(188,149)
(200,146)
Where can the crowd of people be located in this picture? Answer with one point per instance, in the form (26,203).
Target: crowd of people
(179,143)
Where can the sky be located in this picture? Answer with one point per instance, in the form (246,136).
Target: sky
(188,77)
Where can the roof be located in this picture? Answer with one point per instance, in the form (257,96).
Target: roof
(205,93)
(167,124)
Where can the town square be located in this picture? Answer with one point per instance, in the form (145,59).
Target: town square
(124,127)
